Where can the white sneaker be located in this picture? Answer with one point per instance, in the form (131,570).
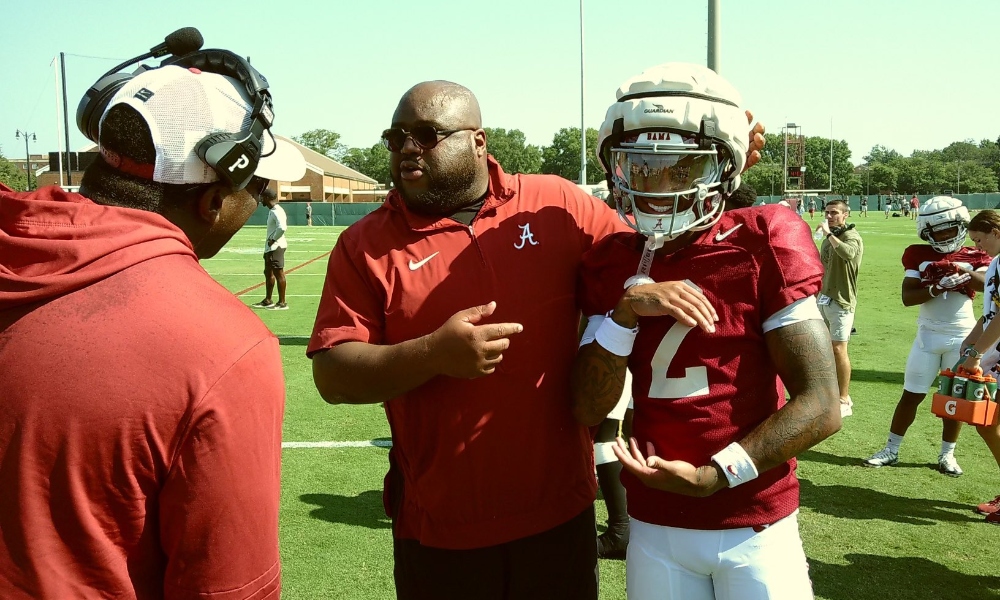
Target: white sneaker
(883,458)
(846,408)
(949,466)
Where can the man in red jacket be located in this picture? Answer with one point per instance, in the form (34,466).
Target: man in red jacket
(140,427)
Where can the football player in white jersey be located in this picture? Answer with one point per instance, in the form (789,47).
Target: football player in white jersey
(941,276)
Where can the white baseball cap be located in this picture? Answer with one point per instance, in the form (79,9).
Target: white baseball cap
(182,106)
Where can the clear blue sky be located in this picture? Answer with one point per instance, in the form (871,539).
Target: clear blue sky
(910,75)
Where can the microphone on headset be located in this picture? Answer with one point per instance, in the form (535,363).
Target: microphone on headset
(183,41)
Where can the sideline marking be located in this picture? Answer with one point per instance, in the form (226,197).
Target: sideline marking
(287,271)
(367,444)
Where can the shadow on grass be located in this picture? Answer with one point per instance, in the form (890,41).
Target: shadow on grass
(293,340)
(855,461)
(848,502)
(908,578)
(869,375)
(364,510)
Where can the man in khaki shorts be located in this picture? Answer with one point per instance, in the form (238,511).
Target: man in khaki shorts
(841,255)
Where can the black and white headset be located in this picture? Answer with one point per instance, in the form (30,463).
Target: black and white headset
(233,156)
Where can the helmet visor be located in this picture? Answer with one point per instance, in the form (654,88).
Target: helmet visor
(651,174)
(945,232)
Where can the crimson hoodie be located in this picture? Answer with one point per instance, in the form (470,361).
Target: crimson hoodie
(140,426)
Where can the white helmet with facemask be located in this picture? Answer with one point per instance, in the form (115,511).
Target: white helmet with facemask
(677,137)
(942,213)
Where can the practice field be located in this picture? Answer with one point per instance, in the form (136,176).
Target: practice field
(902,532)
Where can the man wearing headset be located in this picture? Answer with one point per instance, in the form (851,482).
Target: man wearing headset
(140,436)
(711,312)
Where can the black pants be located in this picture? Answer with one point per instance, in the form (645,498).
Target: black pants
(558,564)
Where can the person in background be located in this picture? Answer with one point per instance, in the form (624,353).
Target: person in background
(274,253)
(981,348)
(942,277)
(141,435)
(841,252)
(864,206)
(309,214)
(914,207)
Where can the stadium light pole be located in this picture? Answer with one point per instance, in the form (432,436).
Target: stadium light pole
(69,171)
(713,34)
(958,184)
(27,154)
(583,124)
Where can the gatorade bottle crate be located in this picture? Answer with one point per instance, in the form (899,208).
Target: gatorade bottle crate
(974,397)
(974,412)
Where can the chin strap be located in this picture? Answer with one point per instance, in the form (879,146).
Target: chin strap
(653,243)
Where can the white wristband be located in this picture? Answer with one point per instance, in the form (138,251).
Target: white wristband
(736,464)
(614,338)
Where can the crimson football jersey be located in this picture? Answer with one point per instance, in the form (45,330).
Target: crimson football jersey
(695,392)
(918,257)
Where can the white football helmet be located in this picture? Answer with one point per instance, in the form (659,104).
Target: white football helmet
(941,213)
(678,138)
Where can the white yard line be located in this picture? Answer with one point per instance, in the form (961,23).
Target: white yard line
(367,444)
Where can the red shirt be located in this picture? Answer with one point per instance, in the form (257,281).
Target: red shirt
(917,257)
(140,421)
(498,458)
(751,264)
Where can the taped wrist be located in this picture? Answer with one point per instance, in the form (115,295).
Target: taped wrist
(736,464)
(616,339)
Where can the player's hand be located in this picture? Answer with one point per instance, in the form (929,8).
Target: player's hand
(674,476)
(463,349)
(676,299)
(953,281)
(756,142)
(824,226)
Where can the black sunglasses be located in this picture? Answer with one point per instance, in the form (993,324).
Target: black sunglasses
(424,136)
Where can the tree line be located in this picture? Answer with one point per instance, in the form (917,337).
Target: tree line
(961,167)
(508,146)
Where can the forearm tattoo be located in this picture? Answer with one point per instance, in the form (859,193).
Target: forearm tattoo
(599,378)
(803,356)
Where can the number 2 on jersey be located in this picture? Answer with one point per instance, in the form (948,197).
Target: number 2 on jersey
(695,380)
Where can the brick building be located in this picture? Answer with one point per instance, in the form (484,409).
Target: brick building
(326,180)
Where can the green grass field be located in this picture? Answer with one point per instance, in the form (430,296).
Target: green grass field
(903,532)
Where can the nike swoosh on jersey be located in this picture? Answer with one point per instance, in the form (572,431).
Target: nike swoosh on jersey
(723,235)
(416,265)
